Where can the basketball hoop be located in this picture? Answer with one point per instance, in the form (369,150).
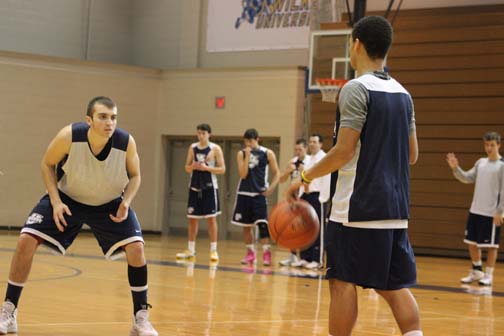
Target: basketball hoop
(329,88)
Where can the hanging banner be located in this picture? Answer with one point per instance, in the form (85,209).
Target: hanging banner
(239,25)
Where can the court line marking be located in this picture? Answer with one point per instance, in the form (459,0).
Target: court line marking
(437,288)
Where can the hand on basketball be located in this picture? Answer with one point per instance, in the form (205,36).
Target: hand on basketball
(452,160)
(121,214)
(292,192)
(497,220)
(59,210)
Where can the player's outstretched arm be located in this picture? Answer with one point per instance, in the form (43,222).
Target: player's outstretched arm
(338,156)
(275,173)
(55,153)
(133,169)
(461,175)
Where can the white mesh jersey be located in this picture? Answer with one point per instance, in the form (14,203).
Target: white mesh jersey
(89,179)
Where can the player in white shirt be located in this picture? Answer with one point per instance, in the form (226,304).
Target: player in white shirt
(485,216)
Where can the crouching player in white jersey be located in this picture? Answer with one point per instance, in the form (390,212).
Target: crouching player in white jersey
(485,216)
(367,235)
(92,173)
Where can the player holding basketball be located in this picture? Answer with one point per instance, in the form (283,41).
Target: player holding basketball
(293,170)
(92,173)
(204,160)
(251,208)
(367,238)
(485,216)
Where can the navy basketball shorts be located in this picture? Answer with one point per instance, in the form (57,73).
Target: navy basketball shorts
(110,235)
(481,231)
(250,210)
(370,258)
(203,203)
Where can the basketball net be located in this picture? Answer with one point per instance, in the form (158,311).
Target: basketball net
(330,88)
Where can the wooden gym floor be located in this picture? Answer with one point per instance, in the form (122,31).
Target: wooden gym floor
(82,294)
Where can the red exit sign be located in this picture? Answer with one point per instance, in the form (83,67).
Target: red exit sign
(220,102)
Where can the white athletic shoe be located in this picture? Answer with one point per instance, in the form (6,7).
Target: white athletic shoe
(186,255)
(312,265)
(473,275)
(8,321)
(141,325)
(292,258)
(486,280)
(299,263)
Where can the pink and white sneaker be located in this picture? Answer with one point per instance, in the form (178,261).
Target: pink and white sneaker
(267,258)
(250,257)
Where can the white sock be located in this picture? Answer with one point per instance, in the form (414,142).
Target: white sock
(414,333)
(266,247)
(477,263)
(191,246)
(213,246)
(489,271)
(250,247)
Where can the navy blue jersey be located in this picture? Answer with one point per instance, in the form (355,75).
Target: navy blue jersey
(201,180)
(372,190)
(256,181)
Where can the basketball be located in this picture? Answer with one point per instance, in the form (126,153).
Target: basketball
(294,225)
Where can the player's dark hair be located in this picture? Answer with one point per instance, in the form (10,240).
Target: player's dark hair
(376,34)
(301,141)
(251,133)
(204,127)
(489,136)
(319,136)
(105,101)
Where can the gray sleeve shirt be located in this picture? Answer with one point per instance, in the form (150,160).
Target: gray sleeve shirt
(353,102)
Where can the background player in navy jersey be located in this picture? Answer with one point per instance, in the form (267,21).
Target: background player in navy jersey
(292,173)
(204,160)
(92,173)
(367,239)
(485,216)
(251,209)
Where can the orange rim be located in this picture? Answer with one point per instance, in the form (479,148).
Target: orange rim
(331,82)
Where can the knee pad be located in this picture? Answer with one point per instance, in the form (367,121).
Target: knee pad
(263,230)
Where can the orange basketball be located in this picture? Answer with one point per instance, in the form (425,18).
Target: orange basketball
(294,225)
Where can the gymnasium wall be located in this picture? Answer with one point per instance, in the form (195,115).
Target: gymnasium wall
(59,28)
(154,33)
(451,60)
(268,99)
(40,95)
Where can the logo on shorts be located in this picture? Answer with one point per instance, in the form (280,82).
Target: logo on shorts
(238,216)
(190,210)
(34,218)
